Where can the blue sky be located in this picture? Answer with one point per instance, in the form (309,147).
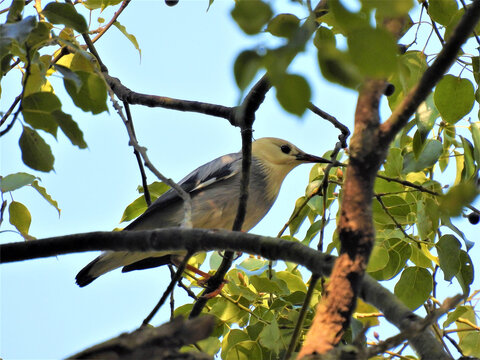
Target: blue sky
(187,53)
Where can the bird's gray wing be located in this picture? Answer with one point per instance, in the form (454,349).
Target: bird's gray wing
(206,175)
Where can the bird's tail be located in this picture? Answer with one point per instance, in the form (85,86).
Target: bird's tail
(111,260)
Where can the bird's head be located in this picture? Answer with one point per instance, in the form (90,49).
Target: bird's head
(282,154)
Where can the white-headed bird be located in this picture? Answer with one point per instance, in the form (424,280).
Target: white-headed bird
(214,189)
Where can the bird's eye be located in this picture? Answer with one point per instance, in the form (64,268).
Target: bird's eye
(285,149)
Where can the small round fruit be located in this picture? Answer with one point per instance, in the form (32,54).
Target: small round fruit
(474,218)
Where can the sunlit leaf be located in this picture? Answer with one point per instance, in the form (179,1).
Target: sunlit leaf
(130,37)
(454,98)
(45,195)
(19,217)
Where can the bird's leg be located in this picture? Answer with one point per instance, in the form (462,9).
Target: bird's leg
(176,260)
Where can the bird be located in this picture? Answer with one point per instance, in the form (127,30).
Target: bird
(214,189)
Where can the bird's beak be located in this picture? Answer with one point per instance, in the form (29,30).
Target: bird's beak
(311,158)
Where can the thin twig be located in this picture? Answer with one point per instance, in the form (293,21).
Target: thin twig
(169,289)
(10,109)
(129,123)
(112,21)
(301,317)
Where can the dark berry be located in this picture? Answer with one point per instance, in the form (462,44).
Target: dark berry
(473,218)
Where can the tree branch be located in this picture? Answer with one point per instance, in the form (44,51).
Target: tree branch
(196,240)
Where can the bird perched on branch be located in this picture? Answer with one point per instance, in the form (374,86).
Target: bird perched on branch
(214,189)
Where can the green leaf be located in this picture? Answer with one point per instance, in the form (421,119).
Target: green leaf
(425,116)
(348,22)
(414,286)
(454,315)
(36,153)
(15,181)
(427,218)
(457,197)
(226,311)
(263,284)
(469,341)
(465,275)
(100,4)
(45,195)
(294,224)
(37,111)
(70,128)
(15,11)
(60,13)
(246,67)
(427,158)
(18,31)
(293,93)
(156,189)
(412,66)
(420,257)
(283,25)
(374,51)
(337,67)
(324,39)
(233,337)
(475,130)
(19,217)
(245,350)
(476,71)
(389,8)
(396,207)
(454,98)
(92,96)
(251,15)
(69,74)
(271,338)
(378,259)
(469,169)
(442,11)
(398,253)
(294,282)
(130,37)
(394,163)
(134,209)
(448,248)
(253,264)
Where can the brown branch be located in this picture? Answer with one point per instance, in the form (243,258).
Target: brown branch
(197,240)
(129,123)
(432,75)
(161,342)
(110,23)
(134,98)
